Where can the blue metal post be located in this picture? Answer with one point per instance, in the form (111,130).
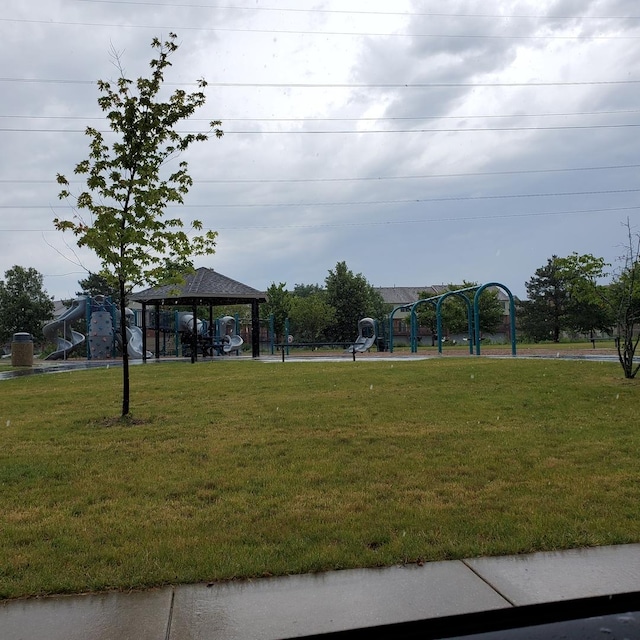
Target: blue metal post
(272,330)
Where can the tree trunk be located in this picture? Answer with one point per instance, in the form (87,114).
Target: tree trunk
(125,351)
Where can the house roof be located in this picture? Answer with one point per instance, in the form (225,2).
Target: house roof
(409,295)
(204,286)
(401,296)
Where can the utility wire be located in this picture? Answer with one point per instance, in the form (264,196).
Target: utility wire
(454,36)
(368,223)
(366,119)
(408,14)
(351,131)
(369,179)
(442,219)
(252,205)
(334,85)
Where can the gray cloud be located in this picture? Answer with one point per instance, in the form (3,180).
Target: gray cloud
(409,230)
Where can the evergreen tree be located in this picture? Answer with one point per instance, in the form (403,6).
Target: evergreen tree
(543,316)
(97,285)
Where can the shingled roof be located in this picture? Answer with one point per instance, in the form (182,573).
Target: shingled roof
(408,295)
(204,286)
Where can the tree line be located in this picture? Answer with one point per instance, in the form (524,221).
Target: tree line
(566,298)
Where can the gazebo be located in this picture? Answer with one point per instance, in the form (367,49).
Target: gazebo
(204,287)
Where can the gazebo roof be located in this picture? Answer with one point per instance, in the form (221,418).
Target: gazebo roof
(204,286)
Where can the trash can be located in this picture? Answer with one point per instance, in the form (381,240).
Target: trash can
(22,350)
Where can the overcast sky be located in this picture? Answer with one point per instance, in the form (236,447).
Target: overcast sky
(422,142)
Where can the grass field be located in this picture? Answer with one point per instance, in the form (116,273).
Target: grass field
(237,469)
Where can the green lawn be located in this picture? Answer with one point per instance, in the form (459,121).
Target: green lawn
(240,468)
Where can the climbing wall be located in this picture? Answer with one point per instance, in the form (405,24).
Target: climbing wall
(101,335)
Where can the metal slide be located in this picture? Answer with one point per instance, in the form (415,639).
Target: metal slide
(362,344)
(134,343)
(70,339)
(366,336)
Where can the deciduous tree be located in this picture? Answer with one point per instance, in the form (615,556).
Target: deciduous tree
(624,298)
(24,303)
(564,295)
(278,305)
(129,184)
(311,315)
(353,298)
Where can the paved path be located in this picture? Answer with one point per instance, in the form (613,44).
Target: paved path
(294,606)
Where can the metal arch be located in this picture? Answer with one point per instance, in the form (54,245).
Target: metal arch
(512,314)
(414,321)
(470,315)
(398,308)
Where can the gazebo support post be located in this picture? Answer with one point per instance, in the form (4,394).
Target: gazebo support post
(156,322)
(194,334)
(255,329)
(144,333)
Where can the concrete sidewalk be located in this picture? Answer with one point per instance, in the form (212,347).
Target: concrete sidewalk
(293,606)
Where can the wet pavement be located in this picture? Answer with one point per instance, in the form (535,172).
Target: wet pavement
(295,606)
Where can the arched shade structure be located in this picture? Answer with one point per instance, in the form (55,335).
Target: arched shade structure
(404,308)
(414,320)
(512,314)
(473,315)
(470,316)
(204,287)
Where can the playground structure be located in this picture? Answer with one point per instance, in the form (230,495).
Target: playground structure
(103,339)
(70,339)
(220,338)
(473,316)
(366,336)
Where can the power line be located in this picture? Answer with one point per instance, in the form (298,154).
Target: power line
(334,85)
(372,179)
(252,205)
(394,222)
(354,131)
(454,36)
(443,219)
(23,116)
(358,12)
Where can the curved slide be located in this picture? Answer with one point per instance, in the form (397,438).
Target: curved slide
(71,339)
(134,343)
(231,342)
(366,336)
(362,344)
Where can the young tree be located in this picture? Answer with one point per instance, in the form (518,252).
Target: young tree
(625,301)
(128,185)
(278,304)
(24,304)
